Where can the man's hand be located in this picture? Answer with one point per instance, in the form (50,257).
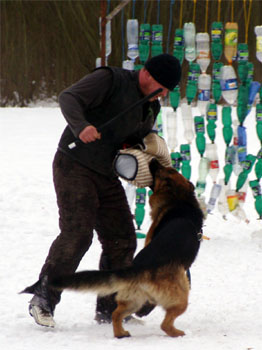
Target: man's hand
(89,134)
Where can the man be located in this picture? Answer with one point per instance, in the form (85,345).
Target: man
(89,194)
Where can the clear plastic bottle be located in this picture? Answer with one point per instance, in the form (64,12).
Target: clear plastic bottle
(203,168)
(222,203)
(190,45)
(132,39)
(128,64)
(212,156)
(131,195)
(228,82)
(171,128)
(237,168)
(203,50)
(258,32)
(188,122)
(204,88)
(215,192)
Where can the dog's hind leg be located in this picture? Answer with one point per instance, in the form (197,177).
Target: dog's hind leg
(124,308)
(168,324)
(172,313)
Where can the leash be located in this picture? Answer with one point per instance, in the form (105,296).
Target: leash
(119,115)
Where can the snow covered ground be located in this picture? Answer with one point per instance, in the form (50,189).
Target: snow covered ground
(225,310)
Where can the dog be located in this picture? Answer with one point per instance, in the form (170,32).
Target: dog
(158,272)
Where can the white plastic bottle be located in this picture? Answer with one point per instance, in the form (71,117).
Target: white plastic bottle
(188,122)
(222,203)
(190,44)
(237,168)
(258,32)
(132,39)
(203,50)
(212,156)
(228,83)
(215,191)
(131,195)
(239,211)
(203,169)
(171,129)
(128,64)
(204,86)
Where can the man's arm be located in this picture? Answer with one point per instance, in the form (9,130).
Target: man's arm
(87,93)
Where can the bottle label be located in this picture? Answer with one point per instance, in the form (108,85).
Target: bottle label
(229,84)
(141,198)
(179,40)
(212,115)
(200,127)
(203,54)
(241,196)
(246,164)
(259,44)
(231,37)
(157,36)
(216,73)
(216,34)
(204,95)
(242,56)
(214,164)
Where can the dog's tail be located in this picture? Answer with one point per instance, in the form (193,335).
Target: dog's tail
(101,282)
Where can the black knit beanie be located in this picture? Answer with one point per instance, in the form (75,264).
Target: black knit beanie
(165,69)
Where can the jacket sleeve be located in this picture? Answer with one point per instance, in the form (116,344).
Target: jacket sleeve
(87,93)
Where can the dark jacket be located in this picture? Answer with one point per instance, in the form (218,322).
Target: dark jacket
(129,129)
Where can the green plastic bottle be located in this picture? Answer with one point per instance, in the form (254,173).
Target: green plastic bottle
(176,160)
(144,42)
(242,103)
(259,120)
(191,91)
(247,167)
(200,134)
(256,190)
(228,168)
(227,122)
(186,158)
(179,45)
(140,206)
(250,75)
(174,97)
(258,166)
(157,40)
(211,121)
(216,37)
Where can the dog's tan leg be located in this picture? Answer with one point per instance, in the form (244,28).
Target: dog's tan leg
(117,317)
(171,314)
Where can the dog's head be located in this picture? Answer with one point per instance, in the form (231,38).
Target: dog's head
(169,186)
(168,178)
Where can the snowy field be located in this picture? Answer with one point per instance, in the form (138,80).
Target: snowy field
(225,309)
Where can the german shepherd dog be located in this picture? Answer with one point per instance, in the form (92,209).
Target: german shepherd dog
(158,272)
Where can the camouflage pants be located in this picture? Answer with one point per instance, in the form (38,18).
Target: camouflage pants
(88,201)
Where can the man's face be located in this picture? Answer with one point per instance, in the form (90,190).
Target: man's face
(150,85)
